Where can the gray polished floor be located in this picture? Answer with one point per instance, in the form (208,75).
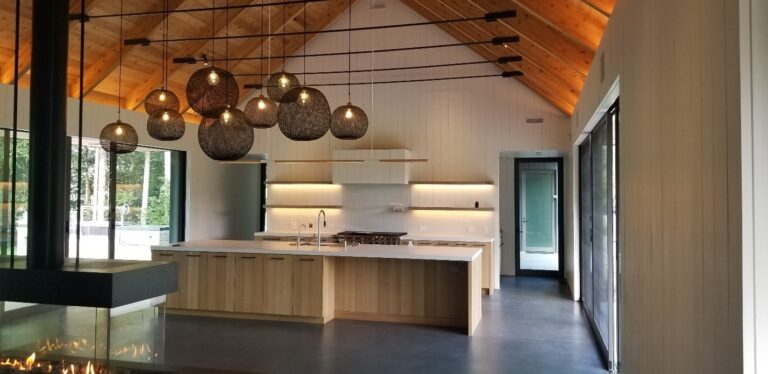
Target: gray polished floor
(530,326)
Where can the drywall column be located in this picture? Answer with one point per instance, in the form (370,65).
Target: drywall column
(48,147)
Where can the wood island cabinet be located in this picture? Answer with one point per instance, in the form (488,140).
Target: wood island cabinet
(308,285)
(278,284)
(172,299)
(249,284)
(219,282)
(192,279)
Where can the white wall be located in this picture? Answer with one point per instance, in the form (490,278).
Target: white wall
(754,137)
(213,190)
(461,126)
(680,170)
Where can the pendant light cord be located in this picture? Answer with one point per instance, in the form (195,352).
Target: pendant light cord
(261,52)
(304,34)
(226,50)
(213,33)
(349,55)
(284,27)
(165,46)
(120,67)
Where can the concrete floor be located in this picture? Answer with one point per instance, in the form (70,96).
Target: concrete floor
(530,326)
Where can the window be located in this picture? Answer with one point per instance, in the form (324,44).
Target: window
(6,188)
(130,202)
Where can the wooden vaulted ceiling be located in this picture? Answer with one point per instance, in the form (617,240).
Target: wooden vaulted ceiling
(558,40)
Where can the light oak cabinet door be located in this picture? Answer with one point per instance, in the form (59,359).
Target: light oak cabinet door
(219,282)
(172,299)
(249,284)
(308,286)
(192,280)
(278,279)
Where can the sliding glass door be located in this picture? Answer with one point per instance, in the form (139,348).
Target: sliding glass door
(598,221)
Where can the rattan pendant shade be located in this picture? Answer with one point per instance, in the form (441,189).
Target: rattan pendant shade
(166,125)
(226,141)
(210,90)
(160,100)
(261,112)
(119,137)
(307,116)
(349,122)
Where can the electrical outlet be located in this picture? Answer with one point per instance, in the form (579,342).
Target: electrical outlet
(422,228)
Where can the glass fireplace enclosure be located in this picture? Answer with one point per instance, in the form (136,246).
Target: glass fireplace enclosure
(58,339)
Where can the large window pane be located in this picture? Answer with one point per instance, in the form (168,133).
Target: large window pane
(600,228)
(585,206)
(94,211)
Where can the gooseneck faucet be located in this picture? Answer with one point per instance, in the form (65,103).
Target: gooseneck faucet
(298,237)
(321,212)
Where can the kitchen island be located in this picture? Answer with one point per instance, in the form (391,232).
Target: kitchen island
(428,285)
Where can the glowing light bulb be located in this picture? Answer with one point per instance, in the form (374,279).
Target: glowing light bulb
(226,115)
(284,81)
(162,96)
(119,130)
(304,96)
(262,104)
(349,114)
(166,117)
(213,78)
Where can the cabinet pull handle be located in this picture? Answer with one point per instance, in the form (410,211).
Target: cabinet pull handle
(165,255)
(220,256)
(277,258)
(248,257)
(306,259)
(190,255)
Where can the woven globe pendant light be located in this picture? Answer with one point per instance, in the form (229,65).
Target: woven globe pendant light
(261,112)
(166,125)
(161,100)
(349,122)
(119,137)
(226,139)
(210,90)
(306,117)
(279,84)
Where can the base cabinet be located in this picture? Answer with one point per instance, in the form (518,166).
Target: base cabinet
(308,286)
(219,282)
(278,285)
(249,284)
(172,300)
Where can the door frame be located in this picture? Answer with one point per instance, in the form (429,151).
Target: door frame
(559,274)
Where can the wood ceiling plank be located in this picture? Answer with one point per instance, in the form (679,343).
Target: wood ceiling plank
(105,64)
(572,18)
(25,49)
(604,6)
(136,96)
(557,88)
(529,26)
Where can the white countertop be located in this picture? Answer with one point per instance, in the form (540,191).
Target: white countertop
(435,237)
(363,250)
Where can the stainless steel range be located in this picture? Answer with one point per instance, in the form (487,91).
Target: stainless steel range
(370,237)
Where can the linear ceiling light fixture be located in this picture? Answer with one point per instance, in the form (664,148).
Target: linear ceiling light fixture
(506,74)
(78,16)
(489,17)
(500,60)
(501,40)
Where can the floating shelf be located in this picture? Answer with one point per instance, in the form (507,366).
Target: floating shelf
(451,208)
(300,182)
(304,206)
(486,183)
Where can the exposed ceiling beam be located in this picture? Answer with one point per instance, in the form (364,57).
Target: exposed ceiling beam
(543,80)
(136,96)
(572,18)
(530,27)
(105,64)
(25,50)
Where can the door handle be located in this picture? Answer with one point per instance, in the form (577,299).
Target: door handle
(306,259)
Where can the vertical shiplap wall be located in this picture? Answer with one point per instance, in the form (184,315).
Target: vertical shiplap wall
(215,192)
(680,198)
(754,89)
(461,126)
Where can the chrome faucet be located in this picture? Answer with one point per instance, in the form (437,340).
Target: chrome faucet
(318,226)
(298,238)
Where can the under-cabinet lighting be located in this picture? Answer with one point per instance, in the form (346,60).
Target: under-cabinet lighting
(318,161)
(404,160)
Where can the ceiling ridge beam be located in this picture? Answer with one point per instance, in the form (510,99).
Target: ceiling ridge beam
(105,64)
(25,50)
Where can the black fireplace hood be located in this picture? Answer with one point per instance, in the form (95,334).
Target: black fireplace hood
(91,283)
(46,275)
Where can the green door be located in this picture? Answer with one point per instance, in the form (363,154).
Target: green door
(539,211)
